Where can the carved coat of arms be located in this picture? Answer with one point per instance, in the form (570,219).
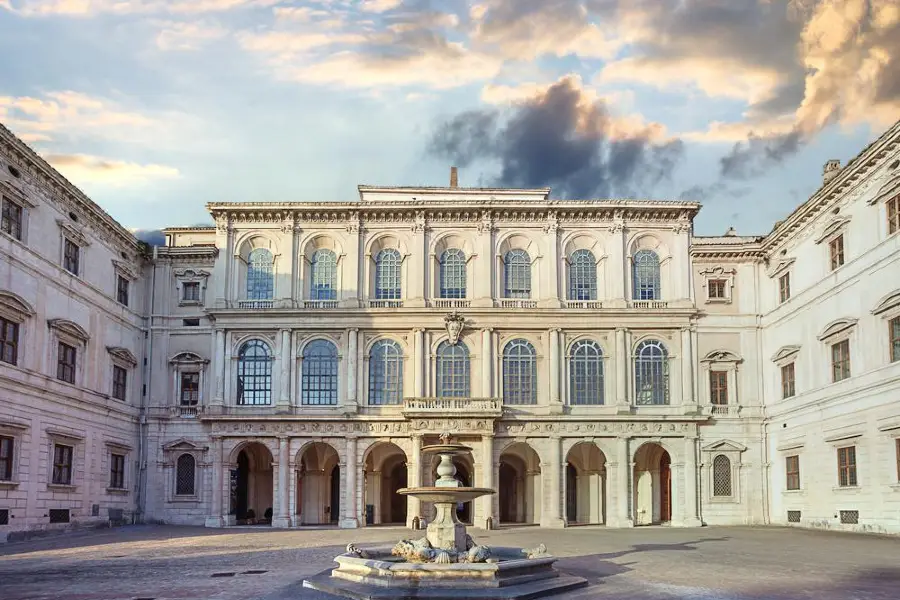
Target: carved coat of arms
(454,322)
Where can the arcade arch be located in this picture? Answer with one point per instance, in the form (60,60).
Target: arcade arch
(385,473)
(520,484)
(318,485)
(585,485)
(652,485)
(251,484)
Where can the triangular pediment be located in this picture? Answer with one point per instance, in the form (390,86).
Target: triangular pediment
(785,352)
(724,446)
(183,444)
(123,354)
(188,358)
(70,328)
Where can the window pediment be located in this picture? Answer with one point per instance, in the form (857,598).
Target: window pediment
(890,188)
(722,356)
(183,445)
(73,233)
(12,192)
(191,274)
(64,435)
(724,446)
(69,328)
(889,302)
(188,358)
(780,267)
(785,352)
(836,328)
(124,269)
(14,305)
(791,445)
(835,226)
(123,354)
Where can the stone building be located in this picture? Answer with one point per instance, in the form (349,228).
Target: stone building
(605,365)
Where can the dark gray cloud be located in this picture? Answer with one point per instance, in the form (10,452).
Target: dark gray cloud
(754,156)
(154,237)
(562,140)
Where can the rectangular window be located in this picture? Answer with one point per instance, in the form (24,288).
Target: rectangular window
(784,287)
(65,363)
(190,389)
(787,381)
(718,387)
(792,469)
(7,445)
(893,214)
(71,257)
(120,382)
(122,290)
(9,341)
(190,322)
(11,221)
(117,471)
(847,466)
(840,361)
(190,291)
(58,515)
(62,464)
(836,248)
(894,328)
(716,289)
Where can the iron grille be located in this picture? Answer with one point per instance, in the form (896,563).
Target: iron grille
(793,516)
(59,515)
(850,517)
(184,477)
(721,476)
(4,516)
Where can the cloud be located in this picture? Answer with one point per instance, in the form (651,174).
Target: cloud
(379,6)
(564,139)
(188,36)
(154,237)
(91,8)
(83,168)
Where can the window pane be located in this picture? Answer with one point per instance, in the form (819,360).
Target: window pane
(519,373)
(453,371)
(11,221)
(190,389)
(62,465)
(582,276)
(787,381)
(651,374)
(894,327)
(65,367)
(254,374)
(120,381)
(260,282)
(6,458)
(385,373)
(323,277)
(387,274)
(718,387)
(586,373)
(517,274)
(319,379)
(9,341)
(191,291)
(840,360)
(453,273)
(122,290)
(70,257)
(184,476)
(117,471)
(646,281)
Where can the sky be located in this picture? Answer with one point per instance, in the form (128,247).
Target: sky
(156,107)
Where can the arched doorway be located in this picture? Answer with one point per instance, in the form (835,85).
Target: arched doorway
(251,485)
(652,485)
(385,473)
(318,485)
(520,484)
(585,485)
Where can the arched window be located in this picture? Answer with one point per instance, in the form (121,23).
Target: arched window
(260,282)
(721,476)
(519,373)
(651,373)
(385,373)
(453,273)
(387,274)
(645,275)
(184,475)
(453,371)
(517,274)
(319,379)
(254,385)
(323,275)
(586,373)
(582,275)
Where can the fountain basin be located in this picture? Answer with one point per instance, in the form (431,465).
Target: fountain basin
(446,494)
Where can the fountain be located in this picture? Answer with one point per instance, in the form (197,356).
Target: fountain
(446,563)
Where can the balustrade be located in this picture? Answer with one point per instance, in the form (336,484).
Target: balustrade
(488,407)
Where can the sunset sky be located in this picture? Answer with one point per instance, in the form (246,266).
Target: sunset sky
(156,107)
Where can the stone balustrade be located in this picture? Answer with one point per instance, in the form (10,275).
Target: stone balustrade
(476,407)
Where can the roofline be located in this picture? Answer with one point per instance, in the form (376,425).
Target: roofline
(455,202)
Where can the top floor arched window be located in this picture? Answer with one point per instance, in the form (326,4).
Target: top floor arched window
(582,275)
(453,273)
(645,275)
(517,274)
(323,275)
(254,372)
(260,280)
(387,274)
(651,373)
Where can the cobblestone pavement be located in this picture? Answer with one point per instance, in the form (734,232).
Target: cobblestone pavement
(710,563)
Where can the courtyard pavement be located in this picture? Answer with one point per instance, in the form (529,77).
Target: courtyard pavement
(709,563)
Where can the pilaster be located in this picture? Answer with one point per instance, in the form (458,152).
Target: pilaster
(350,504)
(551,515)
(215,519)
(282,491)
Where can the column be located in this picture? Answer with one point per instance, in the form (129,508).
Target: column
(623,358)
(687,372)
(283,492)
(487,481)
(284,397)
(487,365)
(623,481)
(219,397)
(350,518)
(419,362)
(555,366)
(690,483)
(414,479)
(215,518)
(352,367)
(551,515)
(377,479)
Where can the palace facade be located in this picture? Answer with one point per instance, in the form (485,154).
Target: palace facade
(608,367)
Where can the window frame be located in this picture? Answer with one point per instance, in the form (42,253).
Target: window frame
(10,344)
(517,269)
(582,276)
(784,287)
(260,276)
(263,381)
(120,382)
(187,363)
(665,376)
(453,269)
(184,277)
(836,251)
(123,287)
(71,257)
(182,389)
(510,376)
(848,477)
(452,370)
(641,288)
(792,482)
(716,472)
(894,338)
(117,475)
(718,387)
(318,368)
(793,380)
(323,275)
(839,351)
(8,466)
(56,467)
(177,494)
(593,359)
(393,363)
(62,365)
(892,211)
(6,222)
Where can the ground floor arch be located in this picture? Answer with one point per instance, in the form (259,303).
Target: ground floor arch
(586,485)
(520,484)
(652,485)
(318,480)
(251,485)
(385,472)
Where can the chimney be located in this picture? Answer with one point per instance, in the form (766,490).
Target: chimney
(454,177)
(731,232)
(831,168)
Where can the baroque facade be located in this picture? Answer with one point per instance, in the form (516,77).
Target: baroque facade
(286,365)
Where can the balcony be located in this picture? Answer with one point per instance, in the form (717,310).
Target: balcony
(320,304)
(722,410)
(256,304)
(648,304)
(517,303)
(187,412)
(448,303)
(385,303)
(457,407)
(584,304)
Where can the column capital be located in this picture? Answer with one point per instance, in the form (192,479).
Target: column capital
(418,329)
(353,329)
(555,329)
(285,329)
(487,330)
